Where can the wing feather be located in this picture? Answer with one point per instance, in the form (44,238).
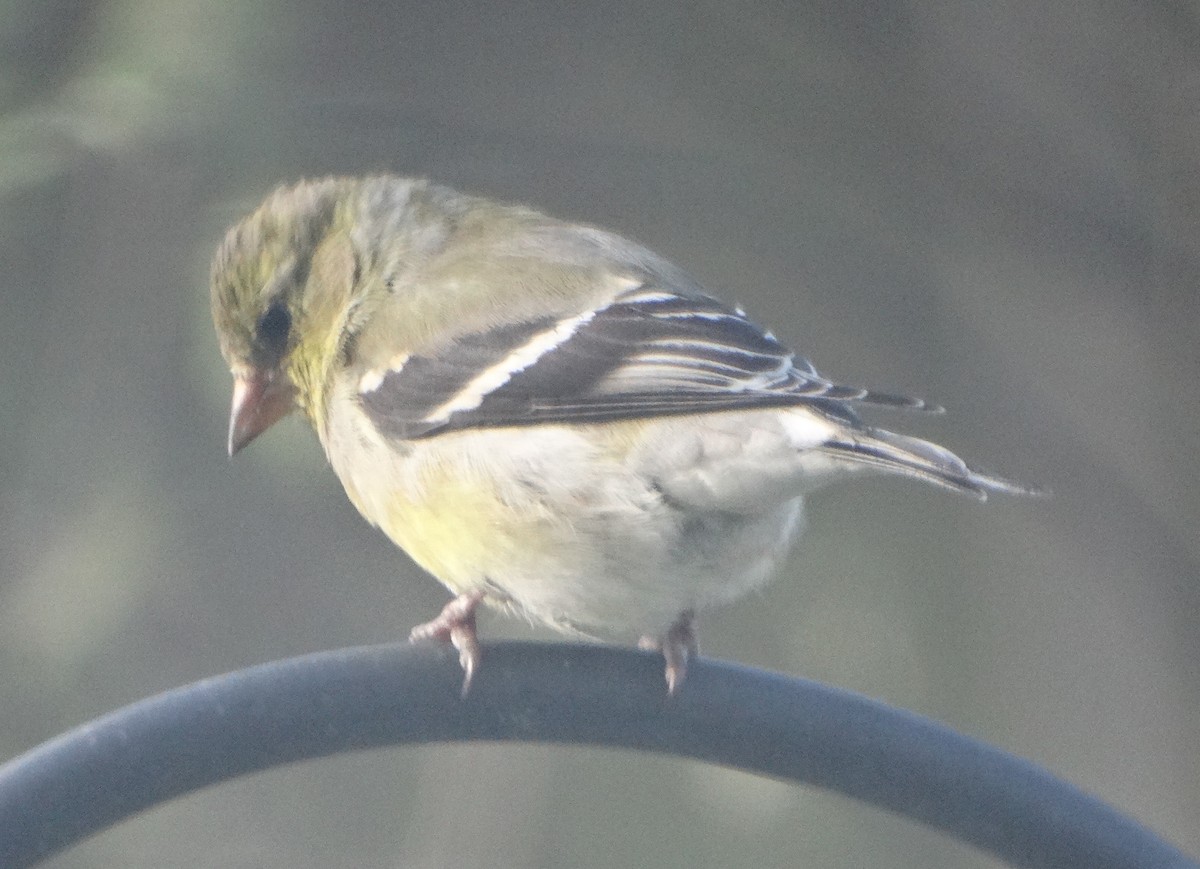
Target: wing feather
(648,352)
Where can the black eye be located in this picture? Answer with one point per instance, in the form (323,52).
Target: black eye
(273,327)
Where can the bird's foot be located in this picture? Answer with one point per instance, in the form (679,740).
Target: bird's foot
(455,625)
(678,645)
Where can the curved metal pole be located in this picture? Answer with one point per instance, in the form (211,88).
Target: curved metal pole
(317,705)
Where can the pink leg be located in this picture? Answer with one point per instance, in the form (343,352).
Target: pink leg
(677,645)
(455,624)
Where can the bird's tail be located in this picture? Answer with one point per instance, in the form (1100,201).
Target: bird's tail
(900,454)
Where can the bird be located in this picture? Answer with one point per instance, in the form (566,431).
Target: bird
(549,418)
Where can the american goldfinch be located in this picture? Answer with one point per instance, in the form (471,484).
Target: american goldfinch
(547,417)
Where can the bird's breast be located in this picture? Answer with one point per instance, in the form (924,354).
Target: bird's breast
(564,525)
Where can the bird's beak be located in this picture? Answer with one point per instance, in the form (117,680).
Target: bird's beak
(260,399)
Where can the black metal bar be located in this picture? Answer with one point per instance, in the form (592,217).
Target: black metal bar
(317,705)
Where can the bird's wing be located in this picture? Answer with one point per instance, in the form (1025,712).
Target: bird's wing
(648,352)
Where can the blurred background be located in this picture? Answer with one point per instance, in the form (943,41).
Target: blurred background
(994,206)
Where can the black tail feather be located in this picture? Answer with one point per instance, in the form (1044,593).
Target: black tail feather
(918,458)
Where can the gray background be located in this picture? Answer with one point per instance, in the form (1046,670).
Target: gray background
(994,206)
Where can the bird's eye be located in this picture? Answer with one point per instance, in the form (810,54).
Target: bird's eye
(273,327)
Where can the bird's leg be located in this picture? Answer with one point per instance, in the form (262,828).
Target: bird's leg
(455,624)
(678,645)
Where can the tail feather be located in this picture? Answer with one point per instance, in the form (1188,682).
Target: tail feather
(900,402)
(917,458)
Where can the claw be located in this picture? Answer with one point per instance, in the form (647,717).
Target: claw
(455,625)
(678,645)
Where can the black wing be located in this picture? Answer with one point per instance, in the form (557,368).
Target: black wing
(650,352)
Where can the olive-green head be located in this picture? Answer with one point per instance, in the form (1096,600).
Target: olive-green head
(276,302)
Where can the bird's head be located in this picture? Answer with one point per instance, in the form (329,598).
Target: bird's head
(281,284)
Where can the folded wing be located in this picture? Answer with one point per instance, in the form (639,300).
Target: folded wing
(648,352)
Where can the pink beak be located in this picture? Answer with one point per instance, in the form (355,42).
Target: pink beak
(260,399)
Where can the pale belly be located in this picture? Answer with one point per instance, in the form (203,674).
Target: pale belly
(563,530)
